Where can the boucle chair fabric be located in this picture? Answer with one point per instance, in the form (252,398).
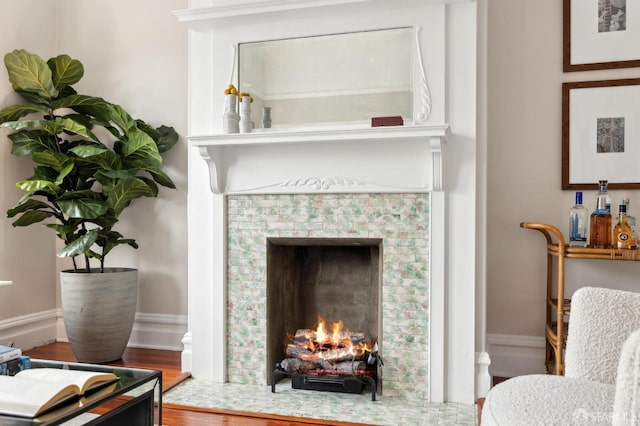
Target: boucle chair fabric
(544,399)
(601,322)
(626,407)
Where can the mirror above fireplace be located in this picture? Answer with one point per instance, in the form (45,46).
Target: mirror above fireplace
(330,79)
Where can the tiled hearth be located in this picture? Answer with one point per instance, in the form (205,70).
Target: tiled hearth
(401,220)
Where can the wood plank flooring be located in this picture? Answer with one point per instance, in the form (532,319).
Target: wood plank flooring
(179,415)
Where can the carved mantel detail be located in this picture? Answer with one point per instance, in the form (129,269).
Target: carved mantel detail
(397,159)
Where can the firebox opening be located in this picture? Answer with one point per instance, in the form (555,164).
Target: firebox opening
(336,279)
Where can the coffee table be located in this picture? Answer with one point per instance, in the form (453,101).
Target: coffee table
(129,402)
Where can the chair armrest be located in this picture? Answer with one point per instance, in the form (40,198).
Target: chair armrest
(626,406)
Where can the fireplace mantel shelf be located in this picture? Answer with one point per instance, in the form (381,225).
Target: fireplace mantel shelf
(318,135)
(354,144)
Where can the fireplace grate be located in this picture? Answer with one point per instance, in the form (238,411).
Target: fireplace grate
(326,382)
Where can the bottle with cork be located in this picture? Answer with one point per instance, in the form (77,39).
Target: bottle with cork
(600,220)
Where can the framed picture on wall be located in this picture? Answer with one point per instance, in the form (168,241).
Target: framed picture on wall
(601,134)
(600,34)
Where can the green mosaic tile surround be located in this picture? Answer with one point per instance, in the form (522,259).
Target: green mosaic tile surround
(401,220)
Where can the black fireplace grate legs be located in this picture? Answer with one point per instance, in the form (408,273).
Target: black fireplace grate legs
(330,383)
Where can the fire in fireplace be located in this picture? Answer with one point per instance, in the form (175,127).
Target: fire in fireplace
(336,361)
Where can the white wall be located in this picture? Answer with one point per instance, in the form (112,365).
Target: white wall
(26,254)
(524,67)
(134,54)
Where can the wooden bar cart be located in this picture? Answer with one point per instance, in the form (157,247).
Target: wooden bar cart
(558,307)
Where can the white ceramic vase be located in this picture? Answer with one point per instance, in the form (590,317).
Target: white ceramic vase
(246,125)
(230,117)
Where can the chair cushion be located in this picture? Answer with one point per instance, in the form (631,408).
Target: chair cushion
(540,399)
(601,320)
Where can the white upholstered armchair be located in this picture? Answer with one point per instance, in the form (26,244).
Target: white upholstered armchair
(602,376)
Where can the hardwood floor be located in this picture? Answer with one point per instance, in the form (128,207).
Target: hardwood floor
(179,415)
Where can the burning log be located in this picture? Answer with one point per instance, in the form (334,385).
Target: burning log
(296,365)
(330,355)
(295,351)
(351,367)
(306,337)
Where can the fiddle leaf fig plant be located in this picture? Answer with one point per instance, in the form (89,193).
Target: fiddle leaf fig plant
(92,158)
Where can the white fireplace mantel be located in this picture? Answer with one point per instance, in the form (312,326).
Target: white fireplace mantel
(408,158)
(336,159)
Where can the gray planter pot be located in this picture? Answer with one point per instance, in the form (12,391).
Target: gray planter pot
(98,311)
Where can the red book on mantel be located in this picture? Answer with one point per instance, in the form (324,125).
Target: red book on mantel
(387,121)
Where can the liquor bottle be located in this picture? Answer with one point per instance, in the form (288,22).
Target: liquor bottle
(602,192)
(631,220)
(623,235)
(578,223)
(600,229)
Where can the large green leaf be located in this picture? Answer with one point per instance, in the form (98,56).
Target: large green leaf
(34,185)
(168,138)
(72,126)
(14,112)
(86,151)
(116,174)
(32,216)
(88,104)
(35,98)
(141,146)
(55,160)
(31,204)
(65,71)
(124,192)
(79,245)
(158,175)
(53,127)
(26,142)
(113,239)
(110,178)
(30,73)
(121,118)
(64,173)
(61,229)
(45,173)
(104,113)
(151,184)
(107,160)
(84,208)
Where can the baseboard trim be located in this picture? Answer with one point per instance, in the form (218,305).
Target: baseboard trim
(28,331)
(150,331)
(158,331)
(515,355)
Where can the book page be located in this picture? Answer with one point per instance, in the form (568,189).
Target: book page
(84,380)
(27,397)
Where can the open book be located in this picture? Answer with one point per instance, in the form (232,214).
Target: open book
(32,392)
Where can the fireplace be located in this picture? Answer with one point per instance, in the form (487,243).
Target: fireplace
(339,182)
(336,280)
(316,281)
